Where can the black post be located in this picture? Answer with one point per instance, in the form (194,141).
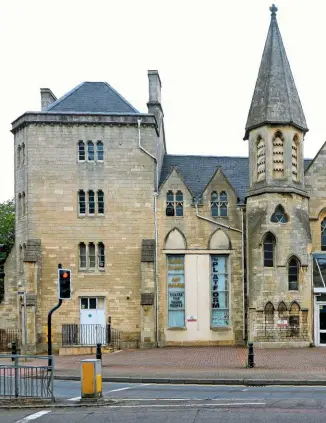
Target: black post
(99,351)
(251,356)
(13,350)
(50,327)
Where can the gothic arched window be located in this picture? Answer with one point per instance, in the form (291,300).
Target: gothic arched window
(82,255)
(100,151)
(261,159)
(90,148)
(223,204)
(91,202)
(169,203)
(101,255)
(295,152)
(91,255)
(214,204)
(293,272)
(278,155)
(269,250)
(323,234)
(179,204)
(100,202)
(18,155)
(81,151)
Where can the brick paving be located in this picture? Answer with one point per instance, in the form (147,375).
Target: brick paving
(205,363)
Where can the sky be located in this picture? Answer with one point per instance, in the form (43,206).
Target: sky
(207,53)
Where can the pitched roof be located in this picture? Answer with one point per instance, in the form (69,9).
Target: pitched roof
(196,171)
(92,97)
(275,98)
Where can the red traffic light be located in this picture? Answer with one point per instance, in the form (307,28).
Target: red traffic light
(65,275)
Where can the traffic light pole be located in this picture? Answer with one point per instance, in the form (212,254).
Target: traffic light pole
(50,327)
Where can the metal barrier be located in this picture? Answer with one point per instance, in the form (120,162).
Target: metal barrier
(73,334)
(20,380)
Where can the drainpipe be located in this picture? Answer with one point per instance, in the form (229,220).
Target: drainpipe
(242,254)
(155,194)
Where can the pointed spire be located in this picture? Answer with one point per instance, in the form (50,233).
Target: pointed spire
(275,99)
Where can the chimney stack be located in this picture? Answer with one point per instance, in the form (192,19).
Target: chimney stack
(154,86)
(47,98)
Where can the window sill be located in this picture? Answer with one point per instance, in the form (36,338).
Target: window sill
(177,328)
(91,271)
(221,328)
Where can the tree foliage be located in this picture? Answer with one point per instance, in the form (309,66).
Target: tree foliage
(7,224)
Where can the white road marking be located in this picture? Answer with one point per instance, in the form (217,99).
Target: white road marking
(33,416)
(187,399)
(127,387)
(187,405)
(74,399)
(244,390)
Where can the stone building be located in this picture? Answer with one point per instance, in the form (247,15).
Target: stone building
(170,249)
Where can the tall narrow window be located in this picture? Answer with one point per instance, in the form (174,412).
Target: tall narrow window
(219,292)
(223,204)
(295,144)
(293,274)
(278,156)
(100,202)
(101,255)
(82,256)
(176,291)
(91,202)
(19,206)
(90,148)
(91,255)
(23,153)
(214,204)
(81,202)
(261,159)
(323,234)
(179,204)
(100,151)
(18,156)
(23,204)
(269,250)
(169,203)
(81,151)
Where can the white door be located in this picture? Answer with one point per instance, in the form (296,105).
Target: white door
(92,321)
(321,309)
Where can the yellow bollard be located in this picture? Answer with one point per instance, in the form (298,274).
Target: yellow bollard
(91,379)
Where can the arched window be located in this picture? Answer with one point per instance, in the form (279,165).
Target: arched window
(278,155)
(295,146)
(81,151)
(279,215)
(261,159)
(293,272)
(282,309)
(269,314)
(223,204)
(90,149)
(323,234)
(100,202)
(23,153)
(179,204)
(169,204)
(81,202)
(82,256)
(91,255)
(214,204)
(91,202)
(294,318)
(269,250)
(100,151)
(18,155)
(101,255)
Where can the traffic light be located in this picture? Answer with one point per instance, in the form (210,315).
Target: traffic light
(64,284)
(2,260)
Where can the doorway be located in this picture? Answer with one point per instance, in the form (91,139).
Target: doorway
(322,324)
(92,321)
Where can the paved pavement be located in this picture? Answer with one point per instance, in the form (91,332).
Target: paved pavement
(204,363)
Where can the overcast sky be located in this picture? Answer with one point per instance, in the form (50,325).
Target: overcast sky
(207,53)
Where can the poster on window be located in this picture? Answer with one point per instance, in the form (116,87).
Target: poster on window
(220,318)
(219,292)
(176,291)
(176,300)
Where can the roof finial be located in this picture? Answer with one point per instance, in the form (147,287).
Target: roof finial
(273,10)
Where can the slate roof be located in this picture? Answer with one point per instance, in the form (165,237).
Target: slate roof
(196,172)
(275,98)
(92,97)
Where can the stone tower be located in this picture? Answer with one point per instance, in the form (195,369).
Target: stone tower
(278,233)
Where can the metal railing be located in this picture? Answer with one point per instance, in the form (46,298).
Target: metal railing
(73,334)
(21,380)
(7,336)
